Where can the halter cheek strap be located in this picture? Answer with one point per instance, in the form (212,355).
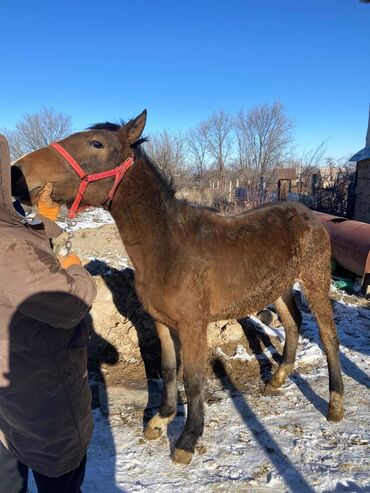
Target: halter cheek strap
(118,172)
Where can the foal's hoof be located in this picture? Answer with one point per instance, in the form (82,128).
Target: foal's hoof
(156,426)
(336,410)
(152,433)
(278,379)
(181,456)
(270,389)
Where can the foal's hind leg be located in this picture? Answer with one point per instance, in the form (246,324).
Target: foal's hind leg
(318,300)
(291,318)
(167,411)
(193,342)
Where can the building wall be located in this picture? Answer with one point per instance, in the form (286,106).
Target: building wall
(362,192)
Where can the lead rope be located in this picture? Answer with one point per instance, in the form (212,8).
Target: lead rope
(71,223)
(62,245)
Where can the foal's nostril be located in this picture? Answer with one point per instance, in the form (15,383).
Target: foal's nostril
(16,173)
(17,177)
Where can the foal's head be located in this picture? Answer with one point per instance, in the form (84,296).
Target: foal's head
(101,148)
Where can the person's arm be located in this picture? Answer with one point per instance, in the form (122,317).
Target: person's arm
(40,288)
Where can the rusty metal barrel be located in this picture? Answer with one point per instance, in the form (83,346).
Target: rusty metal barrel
(350,245)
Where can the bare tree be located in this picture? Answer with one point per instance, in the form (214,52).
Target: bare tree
(264,136)
(197,147)
(37,130)
(241,141)
(168,150)
(308,164)
(314,157)
(219,129)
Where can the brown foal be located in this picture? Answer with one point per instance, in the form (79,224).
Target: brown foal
(194,266)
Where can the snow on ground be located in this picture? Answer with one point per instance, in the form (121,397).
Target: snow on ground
(90,218)
(252,442)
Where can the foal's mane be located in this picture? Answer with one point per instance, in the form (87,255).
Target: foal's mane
(166,180)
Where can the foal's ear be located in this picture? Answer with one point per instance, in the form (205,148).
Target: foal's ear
(135,127)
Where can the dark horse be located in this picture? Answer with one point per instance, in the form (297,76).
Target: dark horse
(194,266)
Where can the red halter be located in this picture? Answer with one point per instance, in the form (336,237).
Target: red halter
(119,172)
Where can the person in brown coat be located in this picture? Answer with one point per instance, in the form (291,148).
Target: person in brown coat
(45,401)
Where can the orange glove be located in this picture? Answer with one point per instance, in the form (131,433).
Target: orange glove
(45,205)
(68,260)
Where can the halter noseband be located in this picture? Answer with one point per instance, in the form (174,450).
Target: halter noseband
(118,172)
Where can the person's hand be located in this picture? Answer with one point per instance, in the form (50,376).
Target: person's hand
(45,205)
(68,260)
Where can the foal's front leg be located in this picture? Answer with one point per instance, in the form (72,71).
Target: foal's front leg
(167,410)
(193,342)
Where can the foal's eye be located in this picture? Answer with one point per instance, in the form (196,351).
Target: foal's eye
(96,144)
